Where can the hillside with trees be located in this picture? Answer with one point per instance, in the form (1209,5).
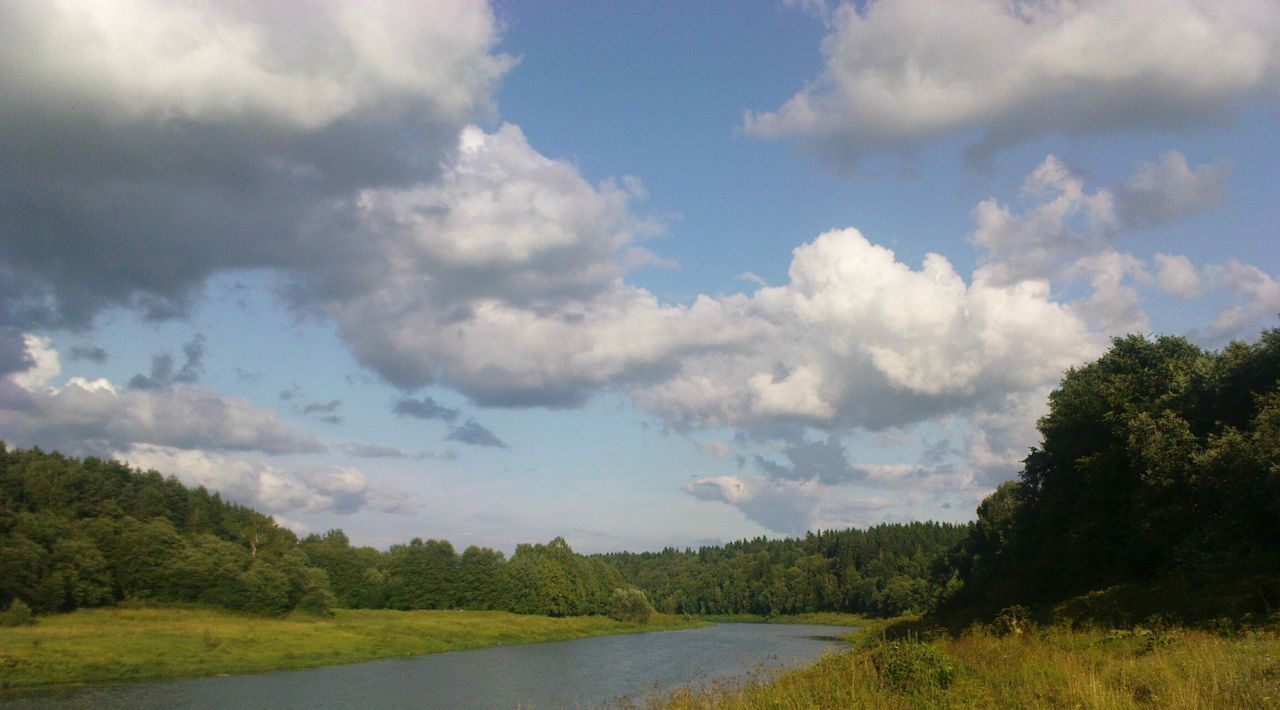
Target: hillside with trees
(1157,481)
(85,533)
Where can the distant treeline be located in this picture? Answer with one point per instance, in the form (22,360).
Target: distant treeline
(88,533)
(883,570)
(1158,469)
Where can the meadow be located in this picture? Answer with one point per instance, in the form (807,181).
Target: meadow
(1053,667)
(121,644)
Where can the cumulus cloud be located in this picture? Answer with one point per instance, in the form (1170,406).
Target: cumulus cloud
(149,144)
(501,279)
(903,73)
(333,489)
(1169,190)
(1176,275)
(1114,305)
(1254,298)
(1067,233)
(1001,436)
(858,339)
(95,416)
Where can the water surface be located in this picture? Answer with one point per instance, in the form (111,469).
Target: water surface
(592,672)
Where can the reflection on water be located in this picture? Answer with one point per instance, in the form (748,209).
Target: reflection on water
(584,673)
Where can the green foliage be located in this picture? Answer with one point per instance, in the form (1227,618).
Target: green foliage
(906,666)
(1012,621)
(1159,466)
(884,570)
(18,614)
(629,605)
(85,533)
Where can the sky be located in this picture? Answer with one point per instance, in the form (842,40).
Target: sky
(637,274)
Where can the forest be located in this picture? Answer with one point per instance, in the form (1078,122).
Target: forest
(85,533)
(1156,482)
(1158,470)
(882,571)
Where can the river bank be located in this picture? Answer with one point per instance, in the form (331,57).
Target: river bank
(126,644)
(1048,667)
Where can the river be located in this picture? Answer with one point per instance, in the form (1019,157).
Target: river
(591,672)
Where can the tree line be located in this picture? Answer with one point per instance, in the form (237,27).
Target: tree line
(883,570)
(84,533)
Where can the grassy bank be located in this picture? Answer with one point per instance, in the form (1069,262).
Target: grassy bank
(132,644)
(1049,668)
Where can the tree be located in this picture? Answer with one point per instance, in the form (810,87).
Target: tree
(629,605)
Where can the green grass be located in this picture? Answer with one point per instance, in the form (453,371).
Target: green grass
(133,644)
(1055,667)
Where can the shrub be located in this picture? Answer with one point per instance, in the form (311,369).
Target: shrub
(1011,621)
(912,667)
(18,614)
(630,606)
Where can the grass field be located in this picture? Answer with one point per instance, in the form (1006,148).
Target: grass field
(1050,668)
(132,644)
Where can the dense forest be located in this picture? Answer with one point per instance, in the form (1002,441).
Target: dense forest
(1158,469)
(883,570)
(88,533)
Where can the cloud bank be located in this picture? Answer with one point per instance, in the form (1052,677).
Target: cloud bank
(900,74)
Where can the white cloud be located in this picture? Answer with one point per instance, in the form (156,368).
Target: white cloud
(1067,233)
(85,416)
(1001,436)
(333,489)
(713,447)
(230,62)
(1176,275)
(1114,305)
(45,364)
(502,280)
(1256,299)
(149,144)
(782,506)
(1066,222)
(901,73)
(1169,190)
(858,339)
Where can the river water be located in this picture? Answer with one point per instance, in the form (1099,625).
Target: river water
(586,673)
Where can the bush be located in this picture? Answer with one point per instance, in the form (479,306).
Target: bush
(18,614)
(912,667)
(630,606)
(1011,621)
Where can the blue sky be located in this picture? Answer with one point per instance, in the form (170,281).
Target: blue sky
(636,274)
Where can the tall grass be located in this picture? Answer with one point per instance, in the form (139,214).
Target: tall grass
(1050,668)
(130,644)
